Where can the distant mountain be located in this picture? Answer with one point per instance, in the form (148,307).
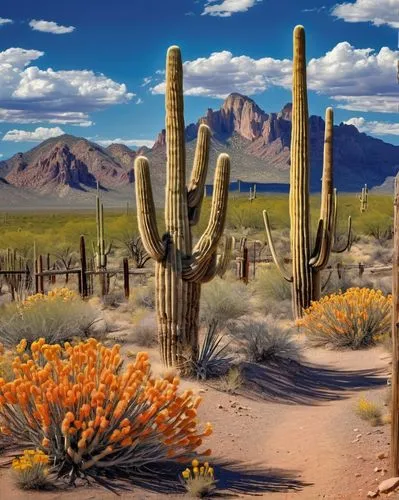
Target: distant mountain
(69,162)
(257,142)
(259,145)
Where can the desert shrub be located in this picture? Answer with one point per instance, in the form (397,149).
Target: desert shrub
(143,296)
(265,340)
(212,360)
(58,316)
(232,381)
(144,331)
(199,481)
(6,371)
(31,470)
(368,411)
(269,285)
(223,302)
(95,419)
(354,319)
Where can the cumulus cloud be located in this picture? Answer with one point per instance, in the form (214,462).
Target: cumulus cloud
(374,127)
(358,79)
(127,142)
(222,73)
(378,13)
(50,27)
(4,20)
(38,135)
(29,94)
(227,7)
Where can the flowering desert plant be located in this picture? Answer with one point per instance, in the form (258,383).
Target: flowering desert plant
(199,481)
(354,319)
(57,316)
(92,417)
(31,469)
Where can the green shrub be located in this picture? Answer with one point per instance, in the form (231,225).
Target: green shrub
(53,317)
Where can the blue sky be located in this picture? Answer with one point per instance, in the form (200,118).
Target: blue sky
(94,68)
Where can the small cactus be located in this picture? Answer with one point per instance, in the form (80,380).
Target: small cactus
(364,198)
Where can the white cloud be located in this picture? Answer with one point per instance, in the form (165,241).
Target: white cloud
(227,7)
(4,20)
(374,127)
(29,94)
(139,100)
(377,12)
(146,81)
(38,135)
(222,73)
(127,142)
(1,155)
(358,79)
(50,27)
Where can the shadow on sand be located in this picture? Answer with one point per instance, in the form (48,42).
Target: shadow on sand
(233,478)
(294,383)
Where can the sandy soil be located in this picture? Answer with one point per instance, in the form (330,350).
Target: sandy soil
(291,433)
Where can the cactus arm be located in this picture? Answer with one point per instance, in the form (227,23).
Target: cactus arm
(210,270)
(276,261)
(349,239)
(146,215)
(208,242)
(225,257)
(328,207)
(196,188)
(321,252)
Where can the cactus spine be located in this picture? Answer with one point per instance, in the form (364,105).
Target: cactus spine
(364,198)
(307,264)
(181,267)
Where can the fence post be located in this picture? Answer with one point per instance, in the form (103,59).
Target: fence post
(48,268)
(395,339)
(83,267)
(126,277)
(361,269)
(40,270)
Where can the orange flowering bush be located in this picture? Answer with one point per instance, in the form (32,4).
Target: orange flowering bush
(57,316)
(92,417)
(356,318)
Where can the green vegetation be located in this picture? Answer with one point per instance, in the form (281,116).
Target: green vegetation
(55,230)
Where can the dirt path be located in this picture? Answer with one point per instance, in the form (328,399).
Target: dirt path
(292,434)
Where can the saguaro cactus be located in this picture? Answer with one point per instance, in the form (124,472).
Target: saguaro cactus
(180,266)
(307,264)
(364,198)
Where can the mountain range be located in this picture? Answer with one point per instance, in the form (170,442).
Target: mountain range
(257,142)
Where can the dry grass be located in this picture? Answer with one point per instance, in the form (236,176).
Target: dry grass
(232,381)
(265,340)
(369,411)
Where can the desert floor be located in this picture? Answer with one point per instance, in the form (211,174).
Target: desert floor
(291,432)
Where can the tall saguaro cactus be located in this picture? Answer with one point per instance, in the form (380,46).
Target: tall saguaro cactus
(307,264)
(364,198)
(180,266)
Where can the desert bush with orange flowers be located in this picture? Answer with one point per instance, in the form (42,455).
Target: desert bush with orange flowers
(357,318)
(58,316)
(94,417)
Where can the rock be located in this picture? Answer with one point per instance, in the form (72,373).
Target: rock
(358,436)
(388,485)
(358,474)
(355,441)
(355,430)
(372,494)
(360,457)
(382,455)
(220,407)
(377,469)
